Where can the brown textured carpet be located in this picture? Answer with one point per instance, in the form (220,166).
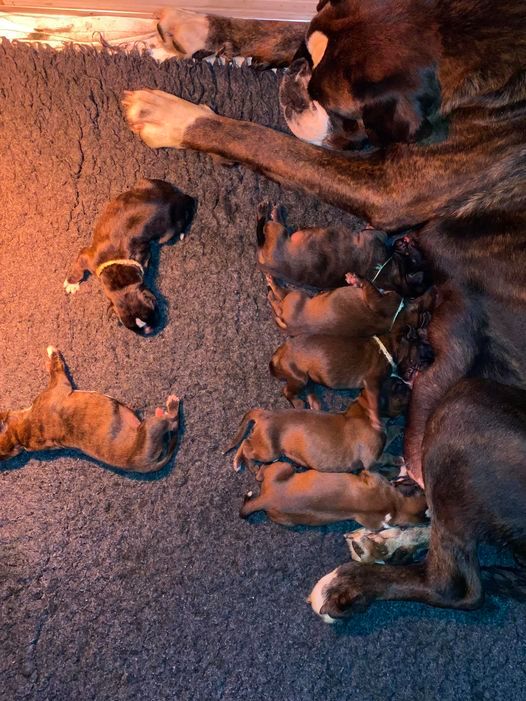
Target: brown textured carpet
(116,588)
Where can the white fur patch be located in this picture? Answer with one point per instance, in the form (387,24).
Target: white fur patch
(317,595)
(71,288)
(311,125)
(188,30)
(140,323)
(159,118)
(50,350)
(317,46)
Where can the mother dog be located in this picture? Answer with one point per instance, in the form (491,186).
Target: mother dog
(439,87)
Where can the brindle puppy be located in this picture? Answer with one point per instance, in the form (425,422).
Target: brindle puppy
(320,440)
(152,211)
(312,498)
(98,425)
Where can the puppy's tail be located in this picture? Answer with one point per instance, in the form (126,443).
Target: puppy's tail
(509,582)
(250,505)
(246,422)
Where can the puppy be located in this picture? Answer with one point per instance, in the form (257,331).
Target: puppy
(120,250)
(320,440)
(358,309)
(98,425)
(311,498)
(341,363)
(316,257)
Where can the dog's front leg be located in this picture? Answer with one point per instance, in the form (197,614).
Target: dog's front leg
(77,271)
(385,189)
(269,43)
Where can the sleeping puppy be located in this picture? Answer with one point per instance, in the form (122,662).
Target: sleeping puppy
(120,250)
(342,363)
(98,425)
(359,309)
(315,256)
(312,498)
(320,440)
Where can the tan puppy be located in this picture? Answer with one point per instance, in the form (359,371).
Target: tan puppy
(340,362)
(321,440)
(358,309)
(310,498)
(102,427)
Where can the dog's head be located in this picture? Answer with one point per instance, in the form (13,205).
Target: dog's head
(136,308)
(414,352)
(375,62)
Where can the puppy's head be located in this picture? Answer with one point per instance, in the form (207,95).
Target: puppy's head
(414,352)
(9,446)
(394,397)
(136,308)
(374,62)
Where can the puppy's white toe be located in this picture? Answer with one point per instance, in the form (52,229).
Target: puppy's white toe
(70,287)
(51,350)
(317,596)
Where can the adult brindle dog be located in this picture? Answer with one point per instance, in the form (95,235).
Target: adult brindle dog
(405,71)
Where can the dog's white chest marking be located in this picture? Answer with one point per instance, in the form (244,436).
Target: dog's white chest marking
(317,46)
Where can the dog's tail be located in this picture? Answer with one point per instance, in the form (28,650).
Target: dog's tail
(509,582)
(246,422)
(167,454)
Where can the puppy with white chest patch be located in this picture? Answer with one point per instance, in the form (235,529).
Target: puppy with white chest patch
(153,210)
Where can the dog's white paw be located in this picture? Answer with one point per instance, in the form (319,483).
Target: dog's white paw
(71,287)
(183,33)
(51,350)
(159,118)
(317,596)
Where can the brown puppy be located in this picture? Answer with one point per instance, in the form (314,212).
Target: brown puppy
(120,250)
(320,440)
(316,256)
(311,498)
(358,309)
(341,363)
(98,425)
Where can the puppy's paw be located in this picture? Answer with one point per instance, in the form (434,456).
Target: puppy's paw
(159,118)
(172,406)
(71,287)
(353,280)
(183,33)
(51,351)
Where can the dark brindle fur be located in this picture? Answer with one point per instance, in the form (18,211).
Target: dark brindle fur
(388,65)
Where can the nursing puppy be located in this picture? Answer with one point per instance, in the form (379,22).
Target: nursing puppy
(98,425)
(320,440)
(318,257)
(358,309)
(120,250)
(312,498)
(341,363)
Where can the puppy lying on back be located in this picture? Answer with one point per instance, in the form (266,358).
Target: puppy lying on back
(152,211)
(340,362)
(323,441)
(102,427)
(311,498)
(358,309)
(316,257)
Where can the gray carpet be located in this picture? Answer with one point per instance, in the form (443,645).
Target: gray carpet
(117,588)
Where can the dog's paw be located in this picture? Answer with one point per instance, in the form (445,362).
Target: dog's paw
(71,287)
(159,118)
(51,351)
(172,405)
(317,596)
(183,33)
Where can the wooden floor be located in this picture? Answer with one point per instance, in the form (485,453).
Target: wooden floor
(262,9)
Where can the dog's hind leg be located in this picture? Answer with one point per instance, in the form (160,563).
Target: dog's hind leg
(58,378)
